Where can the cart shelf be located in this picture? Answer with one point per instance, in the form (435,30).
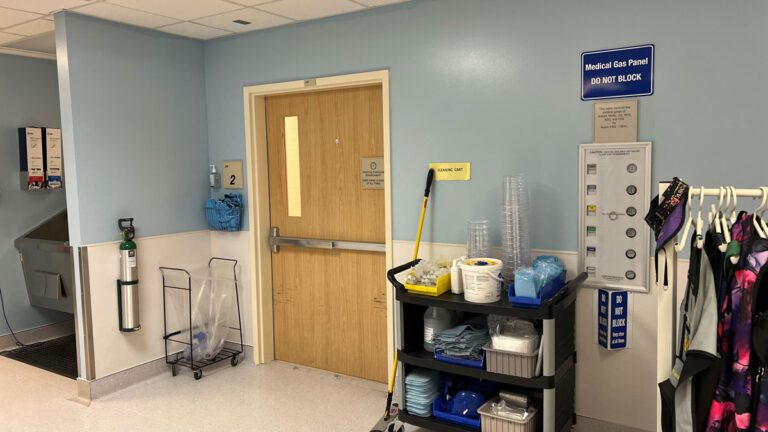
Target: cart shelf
(433,423)
(548,309)
(427,360)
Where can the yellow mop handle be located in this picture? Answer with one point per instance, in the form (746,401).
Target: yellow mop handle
(430,176)
(421,225)
(394,373)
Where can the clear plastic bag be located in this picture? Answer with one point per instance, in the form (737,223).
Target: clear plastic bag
(212,301)
(513,334)
(529,281)
(547,268)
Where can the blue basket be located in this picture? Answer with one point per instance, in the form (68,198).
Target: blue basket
(438,410)
(225,214)
(476,364)
(547,292)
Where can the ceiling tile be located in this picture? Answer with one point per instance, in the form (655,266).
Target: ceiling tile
(45,43)
(32,28)
(257,19)
(306,10)
(9,17)
(7,38)
(180,9)
(43,6)
(375,3)
(195,31)
(126,15)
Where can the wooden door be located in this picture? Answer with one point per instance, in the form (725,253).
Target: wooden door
(329,305)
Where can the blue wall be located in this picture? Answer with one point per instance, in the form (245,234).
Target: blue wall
(133,103)
(497,83)
(28,97)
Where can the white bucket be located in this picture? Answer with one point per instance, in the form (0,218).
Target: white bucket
(482,279)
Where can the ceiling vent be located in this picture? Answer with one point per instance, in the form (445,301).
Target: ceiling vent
(241,22)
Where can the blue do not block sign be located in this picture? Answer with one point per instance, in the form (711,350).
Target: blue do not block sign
(613,319)
(616,73)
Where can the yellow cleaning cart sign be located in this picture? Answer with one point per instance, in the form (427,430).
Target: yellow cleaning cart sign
(451,171)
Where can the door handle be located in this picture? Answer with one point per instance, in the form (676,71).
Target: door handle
(275,241)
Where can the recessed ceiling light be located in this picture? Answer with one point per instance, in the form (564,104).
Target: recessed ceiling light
(241,22)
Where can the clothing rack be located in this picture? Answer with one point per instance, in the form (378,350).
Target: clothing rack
(667,305)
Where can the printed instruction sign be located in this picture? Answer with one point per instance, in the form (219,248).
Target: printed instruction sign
(616,73)
(372,173)
(613,319)
(460,171)
(615,121)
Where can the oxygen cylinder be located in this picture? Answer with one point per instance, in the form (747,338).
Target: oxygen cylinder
(128,284)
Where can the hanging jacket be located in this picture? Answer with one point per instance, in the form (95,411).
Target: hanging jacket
(760,349)
(731,410)
(696,358)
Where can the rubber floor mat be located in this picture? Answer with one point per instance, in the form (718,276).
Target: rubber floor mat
(56,355)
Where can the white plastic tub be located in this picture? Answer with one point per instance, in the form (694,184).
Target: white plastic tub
(482,279)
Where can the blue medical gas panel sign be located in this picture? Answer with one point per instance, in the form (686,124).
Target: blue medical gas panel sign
(616,73)
(613,319)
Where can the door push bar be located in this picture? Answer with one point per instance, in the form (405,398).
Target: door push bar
(275,241)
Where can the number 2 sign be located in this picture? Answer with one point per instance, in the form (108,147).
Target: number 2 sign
(232,177)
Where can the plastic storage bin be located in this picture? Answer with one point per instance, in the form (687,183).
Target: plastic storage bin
(510,363)
(443,285)
(490,422)
(438,410)
(547,292)
(475,364)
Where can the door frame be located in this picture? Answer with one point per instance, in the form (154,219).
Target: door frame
(254,98)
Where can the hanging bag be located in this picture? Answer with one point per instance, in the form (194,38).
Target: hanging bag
(760,348)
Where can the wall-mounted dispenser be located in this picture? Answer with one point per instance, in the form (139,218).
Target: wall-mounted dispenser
(214,178)
(128,284)
(40,159)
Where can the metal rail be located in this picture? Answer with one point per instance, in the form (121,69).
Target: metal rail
(275,241)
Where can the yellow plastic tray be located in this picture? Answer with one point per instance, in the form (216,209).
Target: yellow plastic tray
(443,285)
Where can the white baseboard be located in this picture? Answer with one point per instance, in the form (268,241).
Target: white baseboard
(99,388)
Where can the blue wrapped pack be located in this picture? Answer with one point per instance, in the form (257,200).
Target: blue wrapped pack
(530,281)
(525,283)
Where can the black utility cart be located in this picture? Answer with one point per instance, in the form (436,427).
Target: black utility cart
(175,357)
(554,389)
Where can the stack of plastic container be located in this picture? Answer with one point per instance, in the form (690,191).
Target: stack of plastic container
(421,389)
(478,242)
(515,234)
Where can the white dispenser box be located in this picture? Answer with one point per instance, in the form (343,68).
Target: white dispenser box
(31,158)
(53,163)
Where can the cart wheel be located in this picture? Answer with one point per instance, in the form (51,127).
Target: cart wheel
(234,361)
(198,374)
(174,370)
